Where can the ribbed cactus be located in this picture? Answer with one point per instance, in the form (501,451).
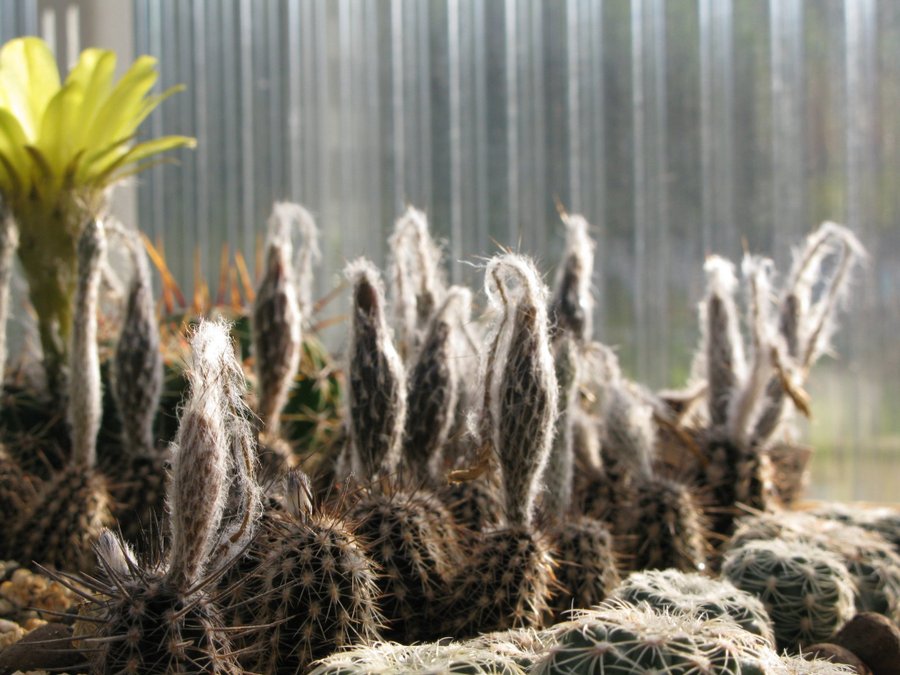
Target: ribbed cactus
(433,390)
(432,658)
(416,282)
(807,591)
(506,582)
(161,617)
(138,490)
(556,498)
(475,504)
(676,591)
(872,563)
(572,307)
(377,380)
(628,639)
(884,521)
(60,523)
(276,335)
(312,584)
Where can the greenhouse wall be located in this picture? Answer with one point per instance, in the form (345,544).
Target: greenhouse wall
(678,128)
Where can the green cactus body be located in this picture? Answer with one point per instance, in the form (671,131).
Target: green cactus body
(664,526)
(313,585)
(412,539)
(587,569)
(624,639)
(807,591)
(872,563)
(676,591)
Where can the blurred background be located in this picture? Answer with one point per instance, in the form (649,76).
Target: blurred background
(677,127)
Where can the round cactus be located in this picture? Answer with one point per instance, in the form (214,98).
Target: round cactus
(311,582)
(628,639)
(807,591)
(872,563)
(675,590)
(431,658)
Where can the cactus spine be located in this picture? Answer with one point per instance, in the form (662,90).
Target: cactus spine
(160,617)
(807,592)
(507,581)
(60,523)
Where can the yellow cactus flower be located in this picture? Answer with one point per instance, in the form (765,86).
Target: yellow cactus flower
(61,146)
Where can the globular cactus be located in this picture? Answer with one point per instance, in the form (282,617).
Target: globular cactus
(277,333)
(434,390)
(506,582)
(161,616)
(137,487)
(884,521)
(873,565)
(416,282)
(425,658)
(676,591)
(572,307)
(377,380)
(807,591)
(311,583)
(622,638)
(60,523)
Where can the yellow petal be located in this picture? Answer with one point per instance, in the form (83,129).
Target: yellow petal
(30,78)
(140,152)
(61,118)
(123,105)
(12,145)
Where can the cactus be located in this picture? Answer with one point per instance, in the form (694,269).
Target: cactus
(572,306)
(678,591)
(807,591)
(426,658)
(60,523)
(433,390)
(872,563)
(137,487)
(417,287)
(626,639)
(506,583)
(377,381)
(160,616)
(588,566)
(474,504)
(883,521)
(311,583)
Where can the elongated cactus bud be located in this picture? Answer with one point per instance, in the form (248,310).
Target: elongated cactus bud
(572,306)
(199,487)
(9,242)
(433,389)
(523,397)
(722,343)
(85,398)
(276,324)
(416,285)
(377,383)
(138,363)
(558,476)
